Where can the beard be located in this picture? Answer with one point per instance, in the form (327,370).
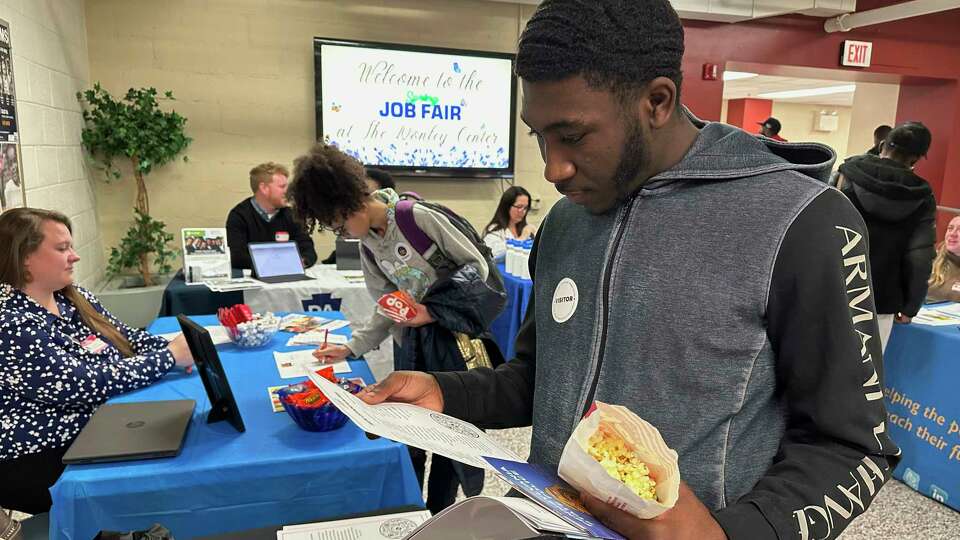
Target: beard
(633,158)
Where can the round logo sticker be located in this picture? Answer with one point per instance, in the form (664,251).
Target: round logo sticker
(402,251)
(565,299)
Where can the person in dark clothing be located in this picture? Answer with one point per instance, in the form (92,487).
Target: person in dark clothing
(704,278)
(770,128)
(265,217)
(899,209)
(375,179)
(879,135)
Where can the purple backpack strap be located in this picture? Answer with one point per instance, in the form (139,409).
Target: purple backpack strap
(411,231)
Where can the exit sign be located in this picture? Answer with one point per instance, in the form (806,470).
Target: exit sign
(856,53)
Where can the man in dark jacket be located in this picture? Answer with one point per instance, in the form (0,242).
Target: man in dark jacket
(879,135)
(899,209)
(706,279)
(265,217)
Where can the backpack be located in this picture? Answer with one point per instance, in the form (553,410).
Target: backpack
(428,249)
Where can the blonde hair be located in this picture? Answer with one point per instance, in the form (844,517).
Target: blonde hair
(940,264)
(263,174)
(21,230)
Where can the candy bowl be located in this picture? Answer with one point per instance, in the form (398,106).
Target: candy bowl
(310,409)
(256,332)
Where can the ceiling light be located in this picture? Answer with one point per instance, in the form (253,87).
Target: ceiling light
(737,75)
(809,92)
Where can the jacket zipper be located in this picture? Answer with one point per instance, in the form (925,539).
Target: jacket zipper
(605,303)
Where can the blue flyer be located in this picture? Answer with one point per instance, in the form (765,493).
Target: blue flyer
(546,488)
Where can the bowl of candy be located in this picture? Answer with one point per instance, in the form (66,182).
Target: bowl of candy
(247,329)
(309,408)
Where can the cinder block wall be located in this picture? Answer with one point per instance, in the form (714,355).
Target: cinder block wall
(50,64)
(243,74)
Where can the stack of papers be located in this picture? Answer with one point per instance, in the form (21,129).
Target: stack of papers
(385,527)
(232,284)
(305,323)
(939,315)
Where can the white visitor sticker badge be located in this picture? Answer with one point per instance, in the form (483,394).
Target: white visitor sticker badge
(93,344)
(565,298)
(956,287)
(402,251)
(282,236)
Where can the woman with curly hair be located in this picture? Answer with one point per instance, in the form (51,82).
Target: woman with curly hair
(329,191)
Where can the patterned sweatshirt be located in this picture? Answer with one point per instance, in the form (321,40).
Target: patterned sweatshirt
(399,266)
(49,384)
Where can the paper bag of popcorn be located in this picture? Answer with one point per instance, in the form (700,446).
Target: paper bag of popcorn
(619,458)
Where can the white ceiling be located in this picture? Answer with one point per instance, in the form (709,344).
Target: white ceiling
(760,84)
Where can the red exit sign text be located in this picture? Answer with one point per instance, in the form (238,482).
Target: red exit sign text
(856,53)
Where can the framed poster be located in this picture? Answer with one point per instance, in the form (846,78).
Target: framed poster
(12,190)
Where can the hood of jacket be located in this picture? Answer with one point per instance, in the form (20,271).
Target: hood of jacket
(721,151)
(885,189)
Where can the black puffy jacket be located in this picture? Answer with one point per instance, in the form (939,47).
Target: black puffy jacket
(899,209)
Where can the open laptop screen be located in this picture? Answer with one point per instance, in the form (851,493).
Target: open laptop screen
(276,259)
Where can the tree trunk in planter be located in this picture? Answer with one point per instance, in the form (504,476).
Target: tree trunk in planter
(143,204)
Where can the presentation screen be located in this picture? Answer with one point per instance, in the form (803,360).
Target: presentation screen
(417,111)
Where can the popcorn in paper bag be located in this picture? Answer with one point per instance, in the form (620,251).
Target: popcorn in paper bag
(621,459)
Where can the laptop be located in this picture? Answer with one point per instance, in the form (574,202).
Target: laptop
(348,254)
(277,262)
(129,431)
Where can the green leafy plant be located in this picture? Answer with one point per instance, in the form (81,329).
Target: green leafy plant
(135,129)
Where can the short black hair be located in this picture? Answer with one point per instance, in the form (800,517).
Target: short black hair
(381,177)
(881,132)
(910,139)
(328,185)
(616,45)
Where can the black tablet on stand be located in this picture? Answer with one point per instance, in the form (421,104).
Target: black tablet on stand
(222,404)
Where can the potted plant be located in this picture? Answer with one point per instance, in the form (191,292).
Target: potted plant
(135,130)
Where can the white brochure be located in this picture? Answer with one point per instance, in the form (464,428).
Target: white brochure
(385,527)
(418,427)
(317,338)
(299,363)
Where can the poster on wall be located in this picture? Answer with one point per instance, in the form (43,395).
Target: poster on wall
(11,173)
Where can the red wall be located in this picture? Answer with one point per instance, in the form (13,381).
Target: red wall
(922,54)
(748,113)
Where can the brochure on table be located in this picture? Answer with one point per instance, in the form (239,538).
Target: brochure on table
(945,314)
(464,442)
(206,256)
(385,527)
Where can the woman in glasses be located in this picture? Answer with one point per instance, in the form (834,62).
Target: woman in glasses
(509,221)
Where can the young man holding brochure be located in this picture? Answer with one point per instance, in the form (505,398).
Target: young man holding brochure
(716,287)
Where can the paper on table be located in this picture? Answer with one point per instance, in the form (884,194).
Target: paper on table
(940,315)
(317,338)
(170,336)
(297,363)
(417,426)
(218,334)
(385,527)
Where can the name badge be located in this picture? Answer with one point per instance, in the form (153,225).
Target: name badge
(94,345)
(282,236)
(956,287)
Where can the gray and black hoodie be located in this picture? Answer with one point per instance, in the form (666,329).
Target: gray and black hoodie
(728,303)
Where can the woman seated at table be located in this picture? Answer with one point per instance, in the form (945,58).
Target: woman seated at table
(945,278)
(61,355)
(509,221)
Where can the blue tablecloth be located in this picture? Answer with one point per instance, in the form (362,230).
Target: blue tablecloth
(274,473)
(505,327)
(922,369)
